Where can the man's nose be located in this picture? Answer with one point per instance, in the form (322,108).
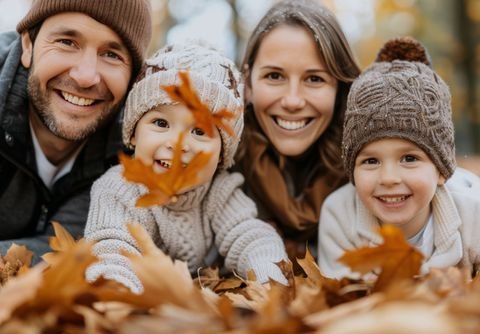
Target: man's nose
(85,71)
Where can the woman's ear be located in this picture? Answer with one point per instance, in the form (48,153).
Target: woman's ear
(27,50)
(441,180)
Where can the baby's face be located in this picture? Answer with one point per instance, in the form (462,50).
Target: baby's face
(158,131)
(396,180)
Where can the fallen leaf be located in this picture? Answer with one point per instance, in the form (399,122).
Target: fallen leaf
(61,242)
(396,258)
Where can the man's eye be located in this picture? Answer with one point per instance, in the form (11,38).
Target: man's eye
(198,132)
(113,55)
(161,123)
(67,42)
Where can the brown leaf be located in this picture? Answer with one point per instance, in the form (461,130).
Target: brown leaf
(61,242)
(204,118)
(164,187)
(164,280)
(396,258)
(19,291)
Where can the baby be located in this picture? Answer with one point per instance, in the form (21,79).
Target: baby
(212,213)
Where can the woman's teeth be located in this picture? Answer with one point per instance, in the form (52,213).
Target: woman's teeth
(79,101)
(291,125)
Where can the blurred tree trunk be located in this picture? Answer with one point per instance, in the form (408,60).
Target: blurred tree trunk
(469,37)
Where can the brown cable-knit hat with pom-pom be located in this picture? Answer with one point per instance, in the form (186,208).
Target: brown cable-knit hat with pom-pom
(400,96)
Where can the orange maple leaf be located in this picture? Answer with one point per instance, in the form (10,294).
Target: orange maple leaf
(396,258)
(204,119)
(164,187)
(61,242)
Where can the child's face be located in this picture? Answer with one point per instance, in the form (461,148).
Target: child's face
(292,92)
(158,131)
(396,181)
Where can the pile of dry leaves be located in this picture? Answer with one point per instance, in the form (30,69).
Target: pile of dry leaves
(54,297)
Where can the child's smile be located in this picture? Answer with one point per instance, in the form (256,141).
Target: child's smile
(158,132)
(396,181)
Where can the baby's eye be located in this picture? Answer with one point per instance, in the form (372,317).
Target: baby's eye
(274,76)
(409,158)
(161,123)
(198,132)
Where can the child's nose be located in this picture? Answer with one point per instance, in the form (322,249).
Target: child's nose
(389,175)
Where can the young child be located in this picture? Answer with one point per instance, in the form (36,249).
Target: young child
(215,211)
(398,151)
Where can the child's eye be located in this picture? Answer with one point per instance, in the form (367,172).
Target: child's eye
(274,76)
(198,132)
(161,123)
(409,158)
(370,161)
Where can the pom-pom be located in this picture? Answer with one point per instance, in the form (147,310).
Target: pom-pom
(404,48)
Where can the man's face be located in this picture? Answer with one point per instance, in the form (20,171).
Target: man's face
(79,74)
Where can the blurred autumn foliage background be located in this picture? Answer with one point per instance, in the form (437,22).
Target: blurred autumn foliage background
(450,29)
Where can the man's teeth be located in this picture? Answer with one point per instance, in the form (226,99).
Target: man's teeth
(291,125)
(393,199)
(79,101)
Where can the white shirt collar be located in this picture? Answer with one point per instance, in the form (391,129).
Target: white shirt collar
(48,172)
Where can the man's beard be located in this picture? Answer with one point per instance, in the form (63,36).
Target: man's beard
(40,104)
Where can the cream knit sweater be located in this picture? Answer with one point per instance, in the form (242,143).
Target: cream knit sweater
(218,213)
(346,224)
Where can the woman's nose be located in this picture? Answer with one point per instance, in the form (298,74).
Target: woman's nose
(293,100)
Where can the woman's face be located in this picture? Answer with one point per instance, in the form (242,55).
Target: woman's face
(291,90)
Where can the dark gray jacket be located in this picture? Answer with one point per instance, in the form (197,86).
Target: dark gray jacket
(27,206)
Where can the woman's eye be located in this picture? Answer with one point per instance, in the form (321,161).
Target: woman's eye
(198,132)
(273,76)
(315,79)
(161,123)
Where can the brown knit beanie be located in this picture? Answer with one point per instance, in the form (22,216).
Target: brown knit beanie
(130,19)
(214,77)
(400,96)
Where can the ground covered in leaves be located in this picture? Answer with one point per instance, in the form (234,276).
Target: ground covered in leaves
(53,297)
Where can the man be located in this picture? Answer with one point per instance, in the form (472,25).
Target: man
(63,81)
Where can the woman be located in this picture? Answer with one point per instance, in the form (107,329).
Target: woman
(298,68)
